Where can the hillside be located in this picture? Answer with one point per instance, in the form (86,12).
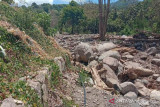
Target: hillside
(53,55)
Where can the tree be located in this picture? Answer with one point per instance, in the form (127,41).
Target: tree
(8,1)
(103,17)
(73,15)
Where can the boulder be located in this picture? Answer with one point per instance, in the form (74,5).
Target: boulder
(131,95)
(155,76)
(134,73)
(130,64)
(35,85)
(128,87)
(45,93)
(105,47)
(40,78)
(143,55)
(157,56)
(127,57)
(109,76)
(111,62)
(158,79)
(143,91)
(145,81)
(151,51)
(155,95)
(60,62)
(156,62)
(83,52)
(114,54)
(93,63)
(10,102)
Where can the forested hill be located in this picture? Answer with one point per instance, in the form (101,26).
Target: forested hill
(123,3)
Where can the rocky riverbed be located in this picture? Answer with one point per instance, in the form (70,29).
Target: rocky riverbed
(133,74)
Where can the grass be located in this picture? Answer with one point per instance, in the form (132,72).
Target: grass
(68,103)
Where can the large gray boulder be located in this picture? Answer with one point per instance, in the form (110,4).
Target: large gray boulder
(83,52)
(111,62)
(105,47)
(110,77)
(114,54)
(10,102)
(128,87)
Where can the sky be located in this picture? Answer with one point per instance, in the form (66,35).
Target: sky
(51,1)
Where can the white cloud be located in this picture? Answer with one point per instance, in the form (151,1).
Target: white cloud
(21,2)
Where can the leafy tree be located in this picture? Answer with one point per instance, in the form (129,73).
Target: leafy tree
(73,15)
(8,1)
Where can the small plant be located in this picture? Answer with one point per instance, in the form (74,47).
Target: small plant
(55,75)
(83,77)
(68,103)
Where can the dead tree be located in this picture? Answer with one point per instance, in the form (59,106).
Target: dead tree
(103,17)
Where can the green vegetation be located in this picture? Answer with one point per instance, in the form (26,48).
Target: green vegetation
(83,77)
(73,16)
(67,103)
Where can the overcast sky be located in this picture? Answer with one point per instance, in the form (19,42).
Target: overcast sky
(51,1)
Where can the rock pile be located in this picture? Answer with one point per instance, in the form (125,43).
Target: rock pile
(120,70)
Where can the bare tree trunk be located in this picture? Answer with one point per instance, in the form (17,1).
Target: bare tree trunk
(101,31)
(107,16)
(103,18)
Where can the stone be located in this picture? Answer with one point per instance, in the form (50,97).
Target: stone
(108,76)
(40,78)
(130,64)
(128,87)
(157,56)
(151,51)
(155,95)
(158,79)
(60,62)
(143,102)
(127,57)
(105,47)
(156,62)
(134,73)
(145,81)
(155,76)
(93,63)
(83,52)
(44,70)
(142,90)
(91,81)
(10,102)
(35,85)
(131,95)
(45,93)
(111,62)
(120,68)
(114,54)
(23,78)
(143,55)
